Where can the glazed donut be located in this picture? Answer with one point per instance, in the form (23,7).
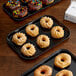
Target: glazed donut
(28,49)
(63,60)
(35,5)
(20,12)
(64,73)
(46,22)
(47,2)
(43,41)
(19,38)
(57,32)
(12,5)
(43,70)
(32,30)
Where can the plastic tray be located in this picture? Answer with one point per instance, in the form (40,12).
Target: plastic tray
(53,42)
(29,12)
(50,61)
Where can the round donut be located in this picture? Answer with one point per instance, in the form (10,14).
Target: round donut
(46,22)
(64,73)
(43,70)
(28,49)
(20,12)
(62,60)
(43,41)
(57,32)
(47,2)
(35,5)
(19,38)
(32,30)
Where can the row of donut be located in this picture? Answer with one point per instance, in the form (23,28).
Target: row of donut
(19,11)
(61,61)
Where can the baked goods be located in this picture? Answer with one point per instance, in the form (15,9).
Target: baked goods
(19,38)
(12,5)
(57,32)
(62,60)
(28,49)
(43,70)
(46,22)
(43,41)
(35,5)
(20,12)
(47,2)
(64,73)
(32,30)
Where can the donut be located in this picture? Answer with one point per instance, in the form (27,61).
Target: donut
(19,38)
(46,22)
(57,32)
(35,5)
(43,70)
(64,73)
(12,5)
(32,30)
(62,60)
(20,12)
(43,41)
(28,49)
(47,2)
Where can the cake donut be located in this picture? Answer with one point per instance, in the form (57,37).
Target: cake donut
(64,73)
(43,70)
(62,60)
(43,41)
(35,5)
(57,32)
(20,12)
(32,30)
(19,38)
(13,5)
(28,49)
(46,22)
(47,2)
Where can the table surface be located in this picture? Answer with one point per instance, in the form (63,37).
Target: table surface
(10,63)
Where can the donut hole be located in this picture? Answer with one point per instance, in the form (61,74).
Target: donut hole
(43,72)
(43,39)
(62,60)
(46,21)
(58,30)
(32,28)
(28,48)
(18,37)
(64,75)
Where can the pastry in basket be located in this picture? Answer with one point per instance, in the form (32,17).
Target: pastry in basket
(32,30)
(46,22)
(19,38)
(43,41)
(28,49)
(43,70)
(47,2)
(12,5)
(57,32)
(64,73)
(35,5)
(20,12)
(62,60)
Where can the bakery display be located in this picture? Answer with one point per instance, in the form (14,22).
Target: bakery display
(46,22)
(43,70)
(32,30)
(62,60)
(57,32)
(19,38)
(28,49)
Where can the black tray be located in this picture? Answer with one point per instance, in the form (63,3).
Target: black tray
(53,42)
(29,12)
(50,61)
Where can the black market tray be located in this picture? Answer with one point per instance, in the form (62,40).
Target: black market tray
(50,61)
(53,42)
(30,13)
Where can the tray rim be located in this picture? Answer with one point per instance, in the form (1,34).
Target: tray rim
(29,23)
(45,59)
(15,19)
